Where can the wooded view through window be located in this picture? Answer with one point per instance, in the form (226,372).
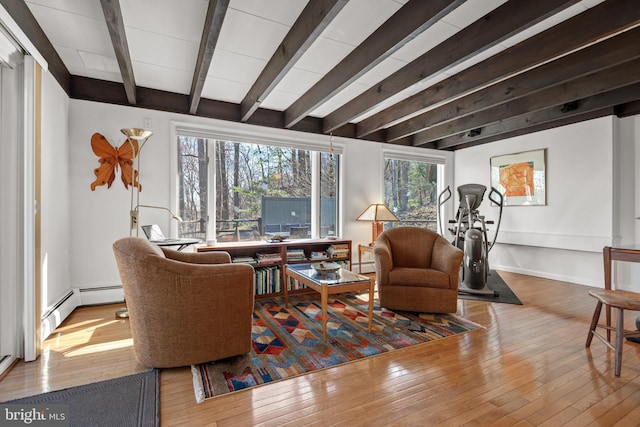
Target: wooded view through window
(410,191)
(260,190)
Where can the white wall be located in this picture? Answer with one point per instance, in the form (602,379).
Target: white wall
(564,239)
(55,198)
(627,177)
(102,216)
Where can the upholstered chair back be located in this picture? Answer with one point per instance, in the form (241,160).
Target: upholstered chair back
(410,246)
(417,270)
(184,308)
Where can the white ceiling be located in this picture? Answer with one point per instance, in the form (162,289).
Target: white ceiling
(164,38)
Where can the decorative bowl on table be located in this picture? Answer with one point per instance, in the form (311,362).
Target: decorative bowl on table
(277,239)
(326,267)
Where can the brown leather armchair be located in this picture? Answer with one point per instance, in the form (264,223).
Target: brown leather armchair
(184,307)
(417,270)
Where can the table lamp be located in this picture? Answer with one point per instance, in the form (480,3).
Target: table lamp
(379,213)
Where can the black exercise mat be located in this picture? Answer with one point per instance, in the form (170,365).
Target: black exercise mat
(495,283)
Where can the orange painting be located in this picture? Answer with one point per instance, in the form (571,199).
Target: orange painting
(517,179)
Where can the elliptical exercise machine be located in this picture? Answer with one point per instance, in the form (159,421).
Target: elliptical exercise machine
(470,235)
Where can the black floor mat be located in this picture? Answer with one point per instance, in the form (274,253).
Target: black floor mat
(495,283)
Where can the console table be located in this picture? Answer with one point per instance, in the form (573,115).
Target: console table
(269,258)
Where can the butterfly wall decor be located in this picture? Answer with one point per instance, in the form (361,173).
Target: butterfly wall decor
(111,159)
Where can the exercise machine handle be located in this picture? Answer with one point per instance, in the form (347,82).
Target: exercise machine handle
(446,192)
(497,193)
(498,200)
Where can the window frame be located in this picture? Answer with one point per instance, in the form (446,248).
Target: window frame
(245,133)
(418,155)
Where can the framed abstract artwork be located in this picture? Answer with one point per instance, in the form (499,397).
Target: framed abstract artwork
(520,178)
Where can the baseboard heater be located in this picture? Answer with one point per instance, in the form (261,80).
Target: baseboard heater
(102,288)
(101,295)
(57,305)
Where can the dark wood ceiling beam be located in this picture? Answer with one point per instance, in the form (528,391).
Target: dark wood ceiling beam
(115,24)
(95,90)
(315,17)
(216,12)
(496,26)
(574,90)
(410,20)
(551,43)
(20,13)
(453,145)
(613,51)
(89,89)
(607,99)
(628,109)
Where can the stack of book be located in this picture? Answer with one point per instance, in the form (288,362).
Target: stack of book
(245,259)
(315,255)
(295,254)
(269,258)
(341,250)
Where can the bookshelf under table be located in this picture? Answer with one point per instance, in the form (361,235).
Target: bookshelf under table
(269,258)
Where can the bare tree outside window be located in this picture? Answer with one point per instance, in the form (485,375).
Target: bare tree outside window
(411,192)
(193,181)
(260,189)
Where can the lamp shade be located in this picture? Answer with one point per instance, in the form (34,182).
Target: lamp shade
(136,133)
(377,212)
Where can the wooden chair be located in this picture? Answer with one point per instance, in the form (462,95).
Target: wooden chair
(613,298)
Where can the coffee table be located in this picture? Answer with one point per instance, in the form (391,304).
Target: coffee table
(328,284)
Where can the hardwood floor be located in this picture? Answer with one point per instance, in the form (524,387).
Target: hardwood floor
(528,367)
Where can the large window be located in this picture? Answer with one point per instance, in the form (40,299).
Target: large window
(411,191)
(240,191)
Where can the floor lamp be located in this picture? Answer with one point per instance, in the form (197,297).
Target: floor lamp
(137,135)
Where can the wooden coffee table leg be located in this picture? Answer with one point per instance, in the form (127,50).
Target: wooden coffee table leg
(323,301)
(371,296)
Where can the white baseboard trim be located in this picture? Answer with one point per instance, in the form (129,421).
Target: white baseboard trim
(543,275)
(56,314)
(534,273)
(101,295)
(6,363)
(75,298)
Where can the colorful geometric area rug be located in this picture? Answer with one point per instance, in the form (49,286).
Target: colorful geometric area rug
(287,342)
